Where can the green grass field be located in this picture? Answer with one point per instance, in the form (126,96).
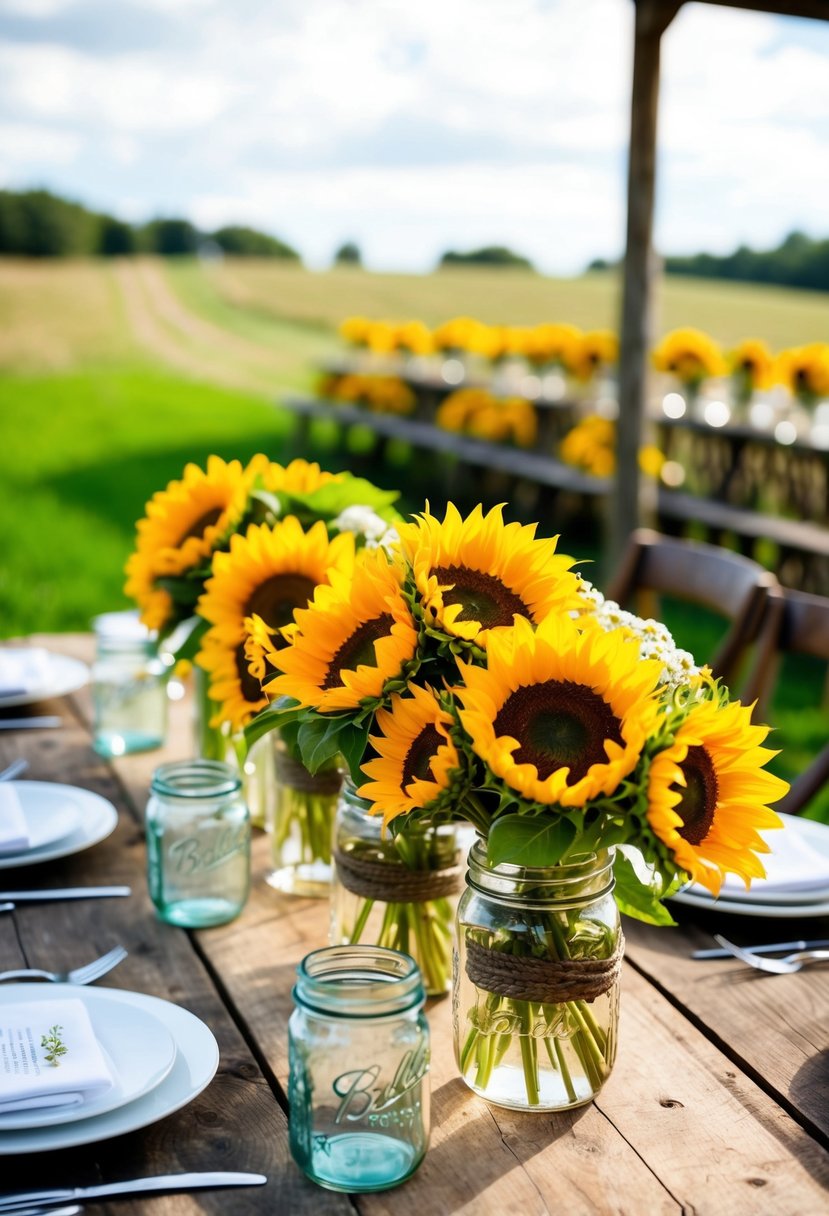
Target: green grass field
(114,376)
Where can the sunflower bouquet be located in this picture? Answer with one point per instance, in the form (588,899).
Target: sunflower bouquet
(223,558)
(470,674)
(691,356)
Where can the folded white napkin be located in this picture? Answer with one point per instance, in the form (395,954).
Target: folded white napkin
(27,1080)
(23,671)
(794,865)
(14,831)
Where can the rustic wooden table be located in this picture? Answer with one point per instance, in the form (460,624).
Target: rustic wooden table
(718,1104)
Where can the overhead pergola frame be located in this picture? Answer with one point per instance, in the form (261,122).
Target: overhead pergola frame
(632,500)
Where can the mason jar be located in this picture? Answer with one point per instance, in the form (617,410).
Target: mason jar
(535,1003)
(395,891)
(129,687)
(358,1088)
(198,843)
(302,820)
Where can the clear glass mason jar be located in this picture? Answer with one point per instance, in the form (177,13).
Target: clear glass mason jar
(198,843)
(535,1002)
(396,891)
(358,1087)
(304,806)
(129,687)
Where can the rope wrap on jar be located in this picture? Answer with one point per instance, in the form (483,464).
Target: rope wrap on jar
(392,882)
(546,981)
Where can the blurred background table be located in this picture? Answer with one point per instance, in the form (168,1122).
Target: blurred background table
(719,1100)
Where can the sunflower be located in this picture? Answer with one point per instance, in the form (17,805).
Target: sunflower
(593,350)
(298,477)
(462,334)
(690,355)
(477,574)
(805,370)
(415,338)
(182,526)
(354,330)
(267,574)
(355,637)
(751,363)
(552,344)
(708,794)
(561,715)
(415,756)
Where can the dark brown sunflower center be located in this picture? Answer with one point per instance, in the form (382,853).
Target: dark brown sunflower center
(202,524)
(698,802)
(483,596)
(801,377)
(358,649)
(418,763)
(558,724)
(276,599)
(251,689)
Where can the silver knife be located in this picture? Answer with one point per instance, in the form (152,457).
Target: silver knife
(773,948)
(41,723)
(137,1186)
(19,897)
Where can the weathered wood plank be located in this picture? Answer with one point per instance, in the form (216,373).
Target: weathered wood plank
(773,1026)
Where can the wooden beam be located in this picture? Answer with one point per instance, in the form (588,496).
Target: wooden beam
(817,10)
(632,501)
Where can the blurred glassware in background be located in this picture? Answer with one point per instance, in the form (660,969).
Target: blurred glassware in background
(129,686)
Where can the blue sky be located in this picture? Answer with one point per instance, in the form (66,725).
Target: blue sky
(413,128)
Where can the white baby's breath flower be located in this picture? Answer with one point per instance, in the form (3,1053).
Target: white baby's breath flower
(362,521)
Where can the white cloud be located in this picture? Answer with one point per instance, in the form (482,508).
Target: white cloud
(417,126)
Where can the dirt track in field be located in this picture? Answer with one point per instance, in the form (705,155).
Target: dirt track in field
(165,328)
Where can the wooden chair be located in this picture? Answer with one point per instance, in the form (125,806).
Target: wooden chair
(797,624)
(727,583)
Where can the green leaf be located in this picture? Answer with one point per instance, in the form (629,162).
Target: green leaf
(280,713)
(319,741)
(636,898)
(522,840)
(353,741)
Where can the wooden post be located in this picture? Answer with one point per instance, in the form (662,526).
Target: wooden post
(631,500)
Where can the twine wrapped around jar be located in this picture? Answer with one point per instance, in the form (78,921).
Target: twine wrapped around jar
(545,981)
(392,882)
(292,773)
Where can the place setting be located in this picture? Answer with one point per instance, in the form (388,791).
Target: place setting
(32,674)
(81,1064)
(43,820)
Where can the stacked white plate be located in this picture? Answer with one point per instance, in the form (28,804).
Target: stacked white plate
(61,820)
(31,674)
(160,1056)
(796,882)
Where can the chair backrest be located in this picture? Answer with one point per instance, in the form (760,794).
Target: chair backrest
(727,583)
(801,628)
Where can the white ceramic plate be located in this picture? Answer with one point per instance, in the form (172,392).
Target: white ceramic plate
(47,822)
(137,1045)
(196,1061)
(65,675)
(736,908)
(809,840)
(96,820)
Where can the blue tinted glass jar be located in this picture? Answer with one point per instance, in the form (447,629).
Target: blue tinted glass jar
(198,843)
(359,1063)
(129,687)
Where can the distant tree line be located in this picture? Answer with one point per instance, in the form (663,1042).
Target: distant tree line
(38,224)
(490,255)
(797,262)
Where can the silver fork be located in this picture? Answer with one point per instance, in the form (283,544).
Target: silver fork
(80,975)
(775,966)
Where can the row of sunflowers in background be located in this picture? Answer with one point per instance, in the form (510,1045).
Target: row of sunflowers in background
(688,355)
